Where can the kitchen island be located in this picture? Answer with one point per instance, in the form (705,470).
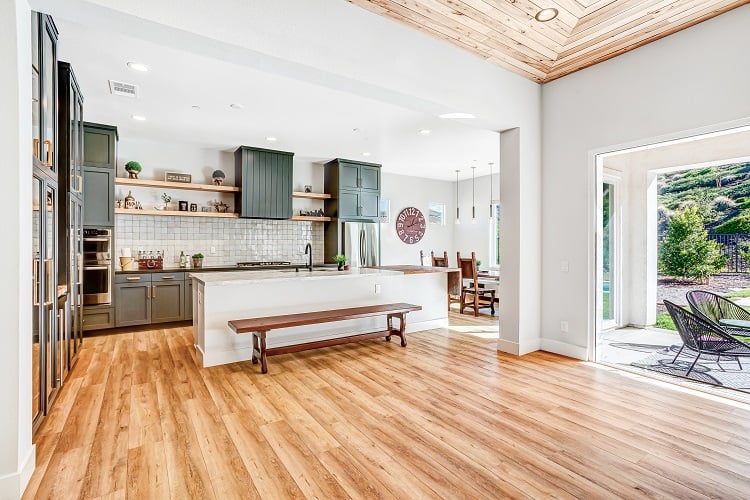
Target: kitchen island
(219,297)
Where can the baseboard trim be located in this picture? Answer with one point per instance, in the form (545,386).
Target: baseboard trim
(508,347)
(564,349)
(13,485)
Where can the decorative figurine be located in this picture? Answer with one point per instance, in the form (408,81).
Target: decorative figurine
(133,168)
(218,177)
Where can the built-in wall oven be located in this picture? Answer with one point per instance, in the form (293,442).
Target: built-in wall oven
(97,266)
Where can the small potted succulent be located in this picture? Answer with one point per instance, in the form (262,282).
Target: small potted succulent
(218,177)
(340,260)
(133,168)
(479,265)
(166,199)
(197,260)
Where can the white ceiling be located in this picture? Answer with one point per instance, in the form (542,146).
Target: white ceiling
(313,121)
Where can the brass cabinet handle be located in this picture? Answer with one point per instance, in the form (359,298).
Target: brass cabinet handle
(79,184)
(50,152)
(133,278)
(153,291)
(167,277)
(35,279)
(36,148)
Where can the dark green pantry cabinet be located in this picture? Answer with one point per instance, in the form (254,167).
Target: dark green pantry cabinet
(265,180)
(99,145)
(354,188)
(98,196)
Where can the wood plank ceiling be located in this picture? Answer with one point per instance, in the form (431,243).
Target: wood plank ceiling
(585,32)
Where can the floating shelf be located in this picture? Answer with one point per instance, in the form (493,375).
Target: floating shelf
(310,218)
(312,196)
(175,213)
(125,181)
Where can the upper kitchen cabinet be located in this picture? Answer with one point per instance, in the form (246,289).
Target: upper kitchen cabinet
(98,197)
(354,188)
(265,180)
(99,145)
(44,91)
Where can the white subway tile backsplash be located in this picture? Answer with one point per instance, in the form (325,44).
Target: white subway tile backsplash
(235,240)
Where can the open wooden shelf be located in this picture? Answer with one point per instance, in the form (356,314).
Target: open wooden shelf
(310,218)
(312,196)
(173,213)
(125,181)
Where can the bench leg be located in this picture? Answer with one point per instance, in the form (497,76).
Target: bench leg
(401,328)
(390,327)
(263,361)
(256,348)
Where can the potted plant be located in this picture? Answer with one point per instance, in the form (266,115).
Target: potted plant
(197,260)
(218,177)
(133,168)
(340,260)
(166,199)
(479,264)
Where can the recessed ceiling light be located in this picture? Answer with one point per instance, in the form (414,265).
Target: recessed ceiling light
(195,106)
(424,131)
(140,118)
(236,106)
(137,66)
(366,154)
(545,15)
(457,115)
(271,139)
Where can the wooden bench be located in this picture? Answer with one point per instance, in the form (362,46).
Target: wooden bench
(260,327)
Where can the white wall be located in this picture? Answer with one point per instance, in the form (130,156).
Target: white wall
(405,191)
(475,237)
(693,79)
(17,457)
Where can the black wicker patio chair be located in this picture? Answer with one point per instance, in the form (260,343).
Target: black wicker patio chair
(704,337)
(713,307)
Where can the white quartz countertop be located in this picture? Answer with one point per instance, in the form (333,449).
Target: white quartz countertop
(239,277)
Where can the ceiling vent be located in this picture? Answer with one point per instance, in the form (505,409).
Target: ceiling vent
(123,89)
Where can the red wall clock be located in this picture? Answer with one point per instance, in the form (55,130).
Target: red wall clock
(410,225)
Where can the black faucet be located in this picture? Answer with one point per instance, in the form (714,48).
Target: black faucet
(308,251)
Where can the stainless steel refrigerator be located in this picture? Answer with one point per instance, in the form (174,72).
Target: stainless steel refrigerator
(359,241)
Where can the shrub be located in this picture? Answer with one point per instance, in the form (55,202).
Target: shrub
(744,250)
(739,224)
(723,203)
(686,251)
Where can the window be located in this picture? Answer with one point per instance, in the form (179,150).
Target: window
(495,237)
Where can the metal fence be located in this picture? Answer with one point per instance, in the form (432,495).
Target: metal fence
(730,244)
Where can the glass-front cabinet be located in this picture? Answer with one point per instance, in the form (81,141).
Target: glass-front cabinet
(44,90)
(36,293)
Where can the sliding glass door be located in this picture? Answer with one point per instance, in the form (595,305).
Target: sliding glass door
(609,283)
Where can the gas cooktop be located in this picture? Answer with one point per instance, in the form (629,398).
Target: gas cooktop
(264,263)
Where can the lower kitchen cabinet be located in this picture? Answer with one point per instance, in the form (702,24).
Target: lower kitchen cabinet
(145,298)
(98,317)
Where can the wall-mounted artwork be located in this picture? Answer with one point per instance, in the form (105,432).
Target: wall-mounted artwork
(436,213)
(385,210)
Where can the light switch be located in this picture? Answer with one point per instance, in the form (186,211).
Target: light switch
(377,289)
(564,266)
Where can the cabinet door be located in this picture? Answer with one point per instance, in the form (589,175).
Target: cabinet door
(369,178)
(37,290)
(47,148)
(167,301)
(132,304)
(99,147)
(348,204)
(98,196)
(368,205)
(189,299)
(348,176)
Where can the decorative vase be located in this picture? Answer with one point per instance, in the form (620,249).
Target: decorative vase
(132,174)
(341,266)
(197,262)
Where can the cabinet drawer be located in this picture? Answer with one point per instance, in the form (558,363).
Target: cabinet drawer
(98,318)
(179,276)
(133,278)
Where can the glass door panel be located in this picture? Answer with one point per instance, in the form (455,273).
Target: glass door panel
(36,294)
(49,314)
(48,112)
(609,285)
(35,86)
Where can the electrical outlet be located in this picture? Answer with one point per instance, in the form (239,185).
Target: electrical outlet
(564,326)
(213,250)
(377,289)
(564,266)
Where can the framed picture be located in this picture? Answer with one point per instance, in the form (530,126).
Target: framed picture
(385,210)
(178,177)
(436,213)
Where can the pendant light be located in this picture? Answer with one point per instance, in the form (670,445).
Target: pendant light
(458,220)
(492,211)
(473,206)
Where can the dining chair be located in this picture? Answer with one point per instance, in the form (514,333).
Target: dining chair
(472,295)
(438,261)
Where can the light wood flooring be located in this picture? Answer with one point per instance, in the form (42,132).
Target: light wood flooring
(445,417)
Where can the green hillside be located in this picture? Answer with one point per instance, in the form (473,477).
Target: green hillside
(722,194)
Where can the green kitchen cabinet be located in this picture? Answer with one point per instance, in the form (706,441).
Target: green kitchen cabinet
(98,196)
(167,297)
(265,180)
(98,317)
(132,303)
(99,145)
(354,188)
